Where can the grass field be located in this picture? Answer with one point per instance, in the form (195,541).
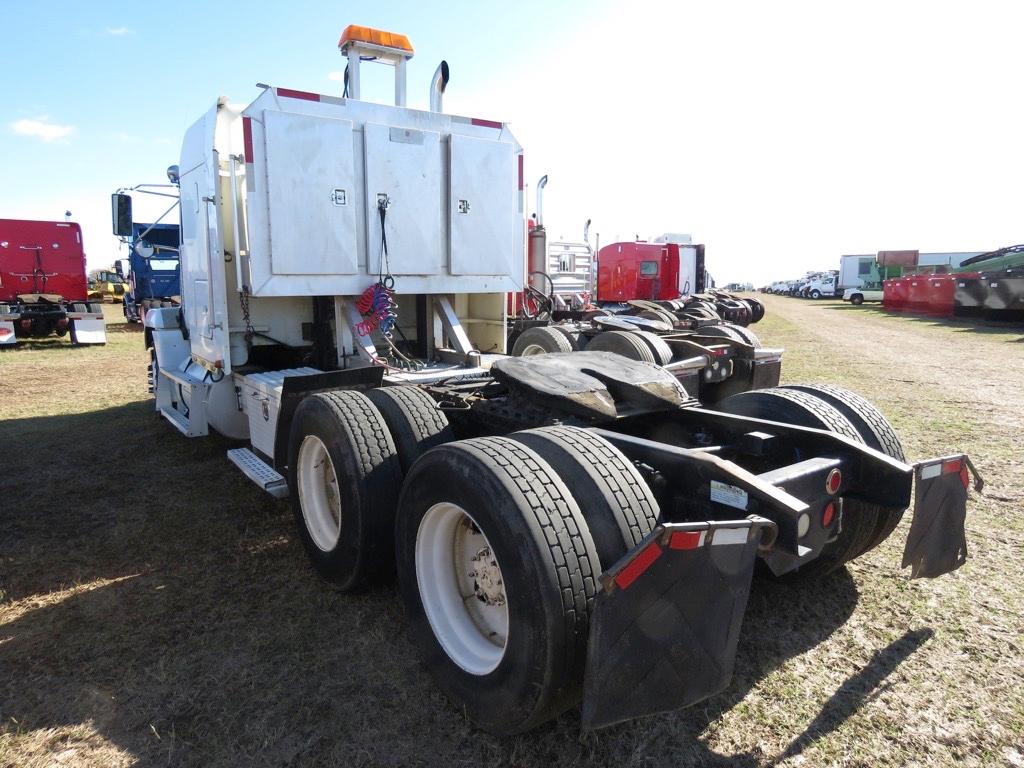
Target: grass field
(156,608)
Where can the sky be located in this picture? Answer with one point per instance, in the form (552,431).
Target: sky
(781,134)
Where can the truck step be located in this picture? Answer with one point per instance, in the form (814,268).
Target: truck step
(261,473)
(178,420)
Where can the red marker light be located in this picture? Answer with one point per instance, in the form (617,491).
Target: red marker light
(828,515)
(833,481)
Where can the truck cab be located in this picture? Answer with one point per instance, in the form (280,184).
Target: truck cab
(649,271)
(820,286)
(152,270)
(43,284)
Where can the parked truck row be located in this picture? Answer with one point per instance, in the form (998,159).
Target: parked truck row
(813,285)
(969,284)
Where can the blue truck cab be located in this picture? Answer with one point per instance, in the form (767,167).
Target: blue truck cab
(152,269)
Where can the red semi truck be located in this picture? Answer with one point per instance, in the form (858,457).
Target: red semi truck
(43,288)
(651,271)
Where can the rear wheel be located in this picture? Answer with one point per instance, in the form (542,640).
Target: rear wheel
(723,331)
(497,570)
(414,420)
(856,299)
(540,340)
(860,521)
(659,347)
(619,507)
(622,343)
(747,335)
(876,432)
(570,333)
(344,477)
(756,310)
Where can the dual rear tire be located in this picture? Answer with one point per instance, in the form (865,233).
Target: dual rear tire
(497,559)
(500,541)
(834,409)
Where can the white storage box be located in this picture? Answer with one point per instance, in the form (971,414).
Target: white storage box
(261,400)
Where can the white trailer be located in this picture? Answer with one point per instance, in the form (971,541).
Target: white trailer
(853,269)
(564,527)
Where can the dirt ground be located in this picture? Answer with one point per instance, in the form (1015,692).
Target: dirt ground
(156,608)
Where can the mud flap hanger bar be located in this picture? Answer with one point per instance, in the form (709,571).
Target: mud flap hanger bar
(664,628)
(699,469)
(877,478)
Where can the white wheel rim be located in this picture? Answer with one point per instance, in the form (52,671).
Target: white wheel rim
(461,588)
(319,498)
(533,349)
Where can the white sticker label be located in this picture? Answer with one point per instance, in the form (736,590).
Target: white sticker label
(729,495)
(729,536)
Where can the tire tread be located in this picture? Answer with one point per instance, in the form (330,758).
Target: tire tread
(630,500)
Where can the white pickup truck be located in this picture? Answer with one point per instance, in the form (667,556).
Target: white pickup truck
(860,295)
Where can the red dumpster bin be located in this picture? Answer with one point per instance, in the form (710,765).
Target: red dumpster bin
(894,294)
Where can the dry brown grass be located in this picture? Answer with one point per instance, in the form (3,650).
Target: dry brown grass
(157,610)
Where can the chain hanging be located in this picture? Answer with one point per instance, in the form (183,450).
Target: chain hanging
(250,332)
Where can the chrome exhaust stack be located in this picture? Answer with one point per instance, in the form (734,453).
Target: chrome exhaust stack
(437,85)
(540,199)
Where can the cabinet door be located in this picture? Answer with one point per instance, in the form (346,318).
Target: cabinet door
(406,166)
(482,208)
(310,195)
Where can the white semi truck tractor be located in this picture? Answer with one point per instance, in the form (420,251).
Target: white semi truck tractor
(566,527)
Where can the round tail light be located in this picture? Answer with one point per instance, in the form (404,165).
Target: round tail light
(833,481)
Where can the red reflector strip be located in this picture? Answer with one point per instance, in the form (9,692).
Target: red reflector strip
(520,171)
(965,478)
(638,565)
(247,138)
(951,466)
(686,539)
(305,95)
(485,123)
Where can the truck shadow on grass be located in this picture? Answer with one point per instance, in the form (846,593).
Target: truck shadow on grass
(156,595)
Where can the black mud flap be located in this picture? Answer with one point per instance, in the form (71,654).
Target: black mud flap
(937,542)
(664,626)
